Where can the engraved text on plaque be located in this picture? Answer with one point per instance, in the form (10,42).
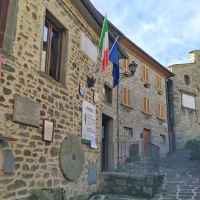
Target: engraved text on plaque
(26,111)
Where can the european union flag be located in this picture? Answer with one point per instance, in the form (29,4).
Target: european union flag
(113,57)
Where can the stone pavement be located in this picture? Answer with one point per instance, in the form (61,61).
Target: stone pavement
(181,182)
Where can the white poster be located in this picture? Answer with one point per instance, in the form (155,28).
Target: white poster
(88,121)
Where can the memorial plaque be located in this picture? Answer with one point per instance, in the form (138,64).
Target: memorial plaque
(26,111)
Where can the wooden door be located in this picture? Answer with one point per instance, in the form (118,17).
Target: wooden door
(146,140)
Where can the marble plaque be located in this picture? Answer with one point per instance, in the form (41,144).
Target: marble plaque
(26,111)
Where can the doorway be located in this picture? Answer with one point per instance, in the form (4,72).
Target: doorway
(147,138)
(107,147)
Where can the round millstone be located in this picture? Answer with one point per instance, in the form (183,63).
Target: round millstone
(71,157)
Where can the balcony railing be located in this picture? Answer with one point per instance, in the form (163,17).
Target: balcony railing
(131,157)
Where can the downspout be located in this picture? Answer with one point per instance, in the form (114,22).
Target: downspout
(170,114)
(118,163)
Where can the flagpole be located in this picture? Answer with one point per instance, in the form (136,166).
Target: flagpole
(109,54)
(114,43)
(105,17)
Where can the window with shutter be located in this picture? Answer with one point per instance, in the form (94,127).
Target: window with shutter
(146,105)
(160,111)
(158,82)
(126,63)
(126,93)
(145,74)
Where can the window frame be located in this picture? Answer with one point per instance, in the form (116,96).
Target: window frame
(3,17)
(158,82)
(146,105)
(109,89)
(52,26)
(160,111)
(131,131)
(126,96)
(188,78)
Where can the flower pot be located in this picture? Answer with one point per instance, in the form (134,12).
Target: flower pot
(160,92)
(146,85)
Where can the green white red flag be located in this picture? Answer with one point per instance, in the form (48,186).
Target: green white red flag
(103,44)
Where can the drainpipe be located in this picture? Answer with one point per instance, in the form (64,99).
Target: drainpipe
(118,163)
(170,114)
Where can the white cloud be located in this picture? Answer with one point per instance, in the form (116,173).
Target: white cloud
(166,30)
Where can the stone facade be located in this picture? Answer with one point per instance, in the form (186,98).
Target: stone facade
(186,118)
(36,161)
(133,116)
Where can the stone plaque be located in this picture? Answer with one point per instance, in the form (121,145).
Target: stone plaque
(26,111)
(8,162)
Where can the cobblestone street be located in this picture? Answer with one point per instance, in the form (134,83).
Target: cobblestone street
(182,179)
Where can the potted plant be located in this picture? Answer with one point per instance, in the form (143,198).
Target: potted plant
(194,146)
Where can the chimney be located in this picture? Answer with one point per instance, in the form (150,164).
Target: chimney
(195,56)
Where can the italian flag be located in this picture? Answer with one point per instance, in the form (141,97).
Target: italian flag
(103,44)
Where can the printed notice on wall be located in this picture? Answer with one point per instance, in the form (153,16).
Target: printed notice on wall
(88,47)
(88,121)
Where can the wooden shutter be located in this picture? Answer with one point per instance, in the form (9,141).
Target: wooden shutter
(143,72)
(126,96)
(147,74)
(124,63)
(160,111)
(158,82)
(127,63)
(123,95)
(146,105)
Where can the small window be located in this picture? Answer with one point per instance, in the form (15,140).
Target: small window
(51,54)
(145,73)
(128,131)
(162,139)
(108,94)
(146,107)
(3,15)
(125,64)
(187,79)
(126,94)
(158,82)
(160,111)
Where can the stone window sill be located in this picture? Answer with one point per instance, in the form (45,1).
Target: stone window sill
(44,75)
(107,103)
(147,115)
(126,106)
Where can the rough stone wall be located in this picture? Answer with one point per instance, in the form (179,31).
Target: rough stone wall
(37,161)
(186,120)
(134,117)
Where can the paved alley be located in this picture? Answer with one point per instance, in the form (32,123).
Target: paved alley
(182,179)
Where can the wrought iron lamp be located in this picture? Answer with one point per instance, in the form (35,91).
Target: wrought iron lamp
(132,67)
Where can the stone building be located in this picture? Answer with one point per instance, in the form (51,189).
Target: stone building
(142,105)
(48,49)
(184,101)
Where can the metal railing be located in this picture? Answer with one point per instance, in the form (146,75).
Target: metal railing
(153,158)
(132,157)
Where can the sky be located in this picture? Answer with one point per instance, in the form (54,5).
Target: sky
(165,29)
